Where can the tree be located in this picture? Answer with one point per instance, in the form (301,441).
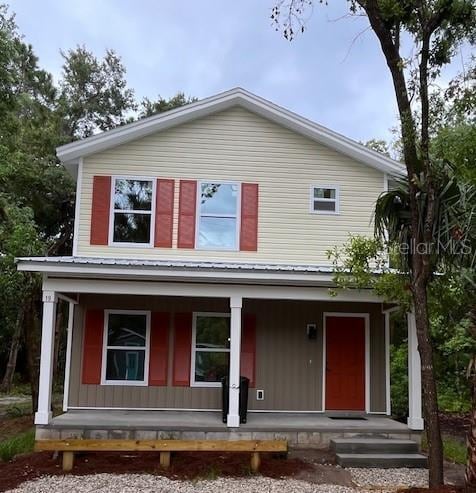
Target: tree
(94,95)
(149,107)
(26,124)
(435,28)
(18,237)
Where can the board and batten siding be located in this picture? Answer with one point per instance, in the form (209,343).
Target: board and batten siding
(288,364)
(241,146)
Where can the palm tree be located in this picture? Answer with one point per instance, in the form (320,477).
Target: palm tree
(453,247)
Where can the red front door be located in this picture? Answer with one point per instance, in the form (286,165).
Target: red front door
(345,363)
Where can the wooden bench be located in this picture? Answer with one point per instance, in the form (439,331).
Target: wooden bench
(69,446)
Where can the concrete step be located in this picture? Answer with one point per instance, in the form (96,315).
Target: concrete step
(384,461)
(363,445)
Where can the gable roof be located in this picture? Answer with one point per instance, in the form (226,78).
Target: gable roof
(70,154)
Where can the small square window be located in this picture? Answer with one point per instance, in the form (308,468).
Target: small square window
(325,199)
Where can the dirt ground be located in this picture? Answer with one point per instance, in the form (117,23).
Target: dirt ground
(313,468)
(13,426)
(443,489)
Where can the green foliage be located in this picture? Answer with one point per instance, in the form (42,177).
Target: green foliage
(149,107)
(378,145)
(455,450)
(362,263)
(94,94)
(19,444)
(399,379)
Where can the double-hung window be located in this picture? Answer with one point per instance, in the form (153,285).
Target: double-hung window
(133,201)
(126,347)
(218,215)
(210,349)
(325,199)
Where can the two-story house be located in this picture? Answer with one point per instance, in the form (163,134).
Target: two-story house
(199,252)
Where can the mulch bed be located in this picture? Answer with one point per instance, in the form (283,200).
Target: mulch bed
(184,465)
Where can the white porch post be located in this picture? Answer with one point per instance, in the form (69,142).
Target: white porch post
(43,415)
(415,420)
(235,352)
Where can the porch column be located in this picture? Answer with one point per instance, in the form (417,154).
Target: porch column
(44,414)
(236,303)
(415,420)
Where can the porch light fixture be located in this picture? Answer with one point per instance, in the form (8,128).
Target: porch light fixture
(311,331)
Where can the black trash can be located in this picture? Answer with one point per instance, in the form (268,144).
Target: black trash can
(244,384)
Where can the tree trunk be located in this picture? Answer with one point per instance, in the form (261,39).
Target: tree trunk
(470,475)
(429,393)
(13,353)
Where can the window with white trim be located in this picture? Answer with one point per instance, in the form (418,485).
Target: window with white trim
(218,215)
(210,349)
(126,346)
(325,199)
(132,205)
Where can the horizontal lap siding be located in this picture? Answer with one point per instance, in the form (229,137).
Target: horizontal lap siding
(288,365)
(238,145)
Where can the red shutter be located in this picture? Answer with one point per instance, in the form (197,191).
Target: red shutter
(187,211)
(248,347)
(100,210)
(182,349)
(159,348)
(92,348)
(249,217)
(164,213)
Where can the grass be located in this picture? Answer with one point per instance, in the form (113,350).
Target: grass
(453,450)
(19,444)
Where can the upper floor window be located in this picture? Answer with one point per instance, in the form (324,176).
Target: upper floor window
(132,211)
(218,215)
(126,346)
(325,199)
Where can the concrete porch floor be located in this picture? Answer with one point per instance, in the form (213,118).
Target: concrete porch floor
(209,421)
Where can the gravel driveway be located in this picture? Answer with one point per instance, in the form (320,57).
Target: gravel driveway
(378,480)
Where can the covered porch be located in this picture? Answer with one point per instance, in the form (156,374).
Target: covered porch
(299,429)
(290,358)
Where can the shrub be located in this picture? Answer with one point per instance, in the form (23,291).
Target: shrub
(19,444)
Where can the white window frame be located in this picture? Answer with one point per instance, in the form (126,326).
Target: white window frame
(105,347)
(336,212)
(112,212)
(194,383)
(231,216)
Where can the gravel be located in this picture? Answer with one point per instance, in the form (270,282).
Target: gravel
(381,480)
(389,478)
(147,483)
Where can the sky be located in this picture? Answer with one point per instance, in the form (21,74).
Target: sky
(333,74)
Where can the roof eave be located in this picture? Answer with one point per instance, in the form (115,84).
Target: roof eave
(208,275)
